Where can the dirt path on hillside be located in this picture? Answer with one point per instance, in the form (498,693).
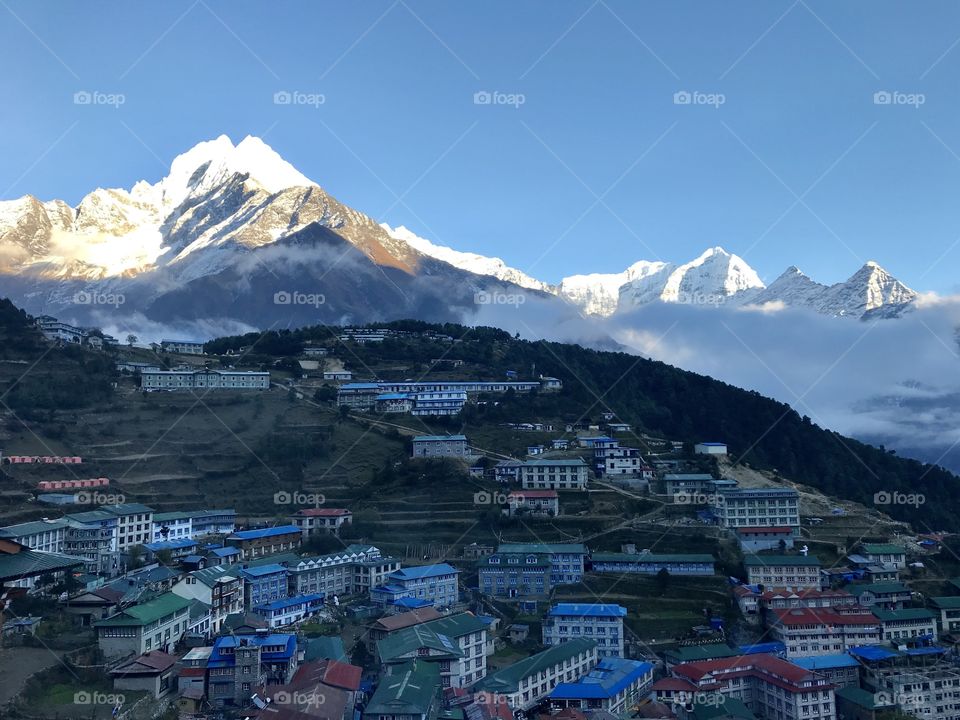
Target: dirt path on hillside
(19,664)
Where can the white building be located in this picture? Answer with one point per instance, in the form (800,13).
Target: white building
(553,475)
(316,520)
(188,379)
(533,502)
(783,571)
(757,507)
(527,682)
(823,631)
(710,448)
(183,347)
(440,446)
(134,524)
(601,622)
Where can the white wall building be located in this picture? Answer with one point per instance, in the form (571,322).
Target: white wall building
(187,379)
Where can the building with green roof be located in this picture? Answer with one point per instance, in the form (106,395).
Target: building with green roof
(884,554)
(898,626)
(527,682)
(887,595)
(154,625)
(699,653)
(409,691)
(456,642)
(949,610)
(693,564)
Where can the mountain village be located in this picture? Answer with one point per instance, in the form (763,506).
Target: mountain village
(162,609)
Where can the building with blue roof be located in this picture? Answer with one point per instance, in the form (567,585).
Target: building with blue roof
(177,548)
(601,622)
(265,541)
(842,670)
(240,663)
(287,611)
(264,584)
(614,685)
(437,584)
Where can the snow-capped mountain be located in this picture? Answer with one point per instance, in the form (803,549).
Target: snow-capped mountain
(871,291)
(471,262)
(231,225)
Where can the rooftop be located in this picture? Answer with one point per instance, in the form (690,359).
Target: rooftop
(410,689)
(423,571)
(508,679)
(544,548)
(587,610)
(161,606)
(610,677)
(771,560)
(264,532)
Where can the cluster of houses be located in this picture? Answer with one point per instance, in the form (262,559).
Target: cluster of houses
(61,332)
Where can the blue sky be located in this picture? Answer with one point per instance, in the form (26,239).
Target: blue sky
(597,168)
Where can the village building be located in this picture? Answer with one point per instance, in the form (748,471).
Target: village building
(219,587)
(601,622)
(758,507)
(755,539)
(886,554)
(842,670)
(900,626)
(152,672)
(614,686)
(241,663)
(948,609)
(886,595)
(408,691)
(183,347)
(268,541)
(432,446)
(156,624)
(385,626)
(516,575)
(320,520)
(783,571)
(191,379)
(355,570)
(553,475)
(647,563)
(433,584)
(822,631)
(566,559)
(917,682)
(533,502)
(289,610)
(710,448)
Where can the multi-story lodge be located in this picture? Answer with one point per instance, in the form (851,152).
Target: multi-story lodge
(363,395)
(190,379)
(316,520)
(772,688)
(193,524)
(267,541)
(758,507)
(409,691)
(899,626)
(822,631)
(647,563)
(602,622)
(184,347)
(287,611)
(134,524)
(949,610)
(884,554)
(516,575)
(525,683)
(920,686)
(264,583)
(783,571)
(886,595)
(352,571)
(435,584)
(533,502)
(614,685)
(431,446)
(755,539)
(553,474)
(240,663)
(218,587)
(456,642)
(566,559)
(156,624)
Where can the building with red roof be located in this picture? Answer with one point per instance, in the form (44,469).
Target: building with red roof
(823,631)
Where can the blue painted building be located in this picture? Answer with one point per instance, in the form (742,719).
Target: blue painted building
(614,685)
(437,584)
(288,611)
(264,584)
(601,622)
